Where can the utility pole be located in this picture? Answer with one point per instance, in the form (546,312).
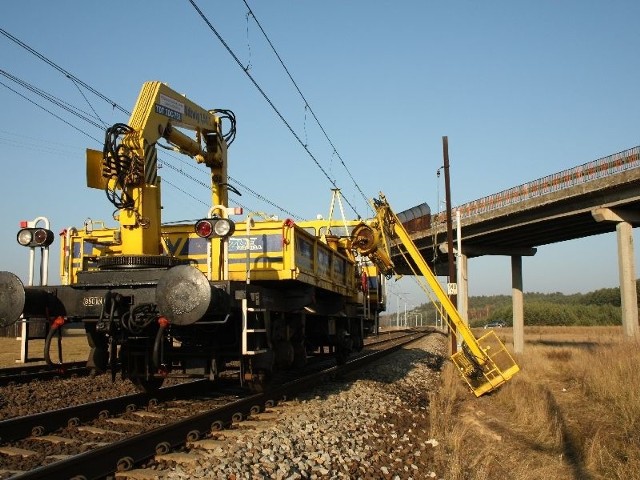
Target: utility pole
(452,265)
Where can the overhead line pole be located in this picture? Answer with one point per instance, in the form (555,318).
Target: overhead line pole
(452,265)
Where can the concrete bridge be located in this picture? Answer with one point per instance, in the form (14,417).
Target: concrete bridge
(597,197)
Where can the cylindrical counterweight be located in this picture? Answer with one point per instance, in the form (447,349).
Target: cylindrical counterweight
(15,300)
(11,298)
(184,295)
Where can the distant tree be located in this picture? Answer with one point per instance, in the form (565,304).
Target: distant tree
(598,307)
(603,296)
(550,313)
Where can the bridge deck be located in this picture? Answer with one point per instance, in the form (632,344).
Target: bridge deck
(552,209)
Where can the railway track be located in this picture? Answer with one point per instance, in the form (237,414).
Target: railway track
(40,372)
(95,440)
(29,373)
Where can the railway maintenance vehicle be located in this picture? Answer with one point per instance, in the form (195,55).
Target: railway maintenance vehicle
(216,295)
(200,298)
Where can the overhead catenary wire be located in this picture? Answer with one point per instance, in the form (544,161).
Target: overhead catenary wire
(87,117)
(63,71)
(234,180)
(266,200)
(51,98)
(268,100)
(79,113)
(23,142)
(164,180)
(208,187)
(49,112)
(306,103)
(88,103)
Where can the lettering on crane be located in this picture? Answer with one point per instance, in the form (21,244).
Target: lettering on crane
(173,115)
(198,115)
(169,107)
(170,103)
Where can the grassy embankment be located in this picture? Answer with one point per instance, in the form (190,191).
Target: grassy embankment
(573,412)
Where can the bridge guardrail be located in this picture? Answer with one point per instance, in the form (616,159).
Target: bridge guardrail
(596,169)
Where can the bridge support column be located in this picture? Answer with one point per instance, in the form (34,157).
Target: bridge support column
(517,304)
(627,272)
(626,264)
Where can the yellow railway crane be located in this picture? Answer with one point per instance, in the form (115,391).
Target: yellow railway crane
(127,167)
(484,363)
(201,298)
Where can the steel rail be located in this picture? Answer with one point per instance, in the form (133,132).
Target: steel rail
(123,455)
(17,428)
(28,373)
(38,424)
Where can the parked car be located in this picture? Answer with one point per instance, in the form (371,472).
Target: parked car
(495,324)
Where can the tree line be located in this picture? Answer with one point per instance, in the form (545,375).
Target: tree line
(599,307)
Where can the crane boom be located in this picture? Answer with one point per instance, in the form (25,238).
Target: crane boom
(484,363)
(127,167)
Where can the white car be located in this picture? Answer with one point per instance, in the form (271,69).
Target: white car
(496,324)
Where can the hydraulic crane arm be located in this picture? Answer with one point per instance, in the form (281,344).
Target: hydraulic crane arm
(159,110)
(127,167)
(484,363)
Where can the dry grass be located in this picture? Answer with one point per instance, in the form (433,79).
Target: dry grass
(74,349)
(573,412)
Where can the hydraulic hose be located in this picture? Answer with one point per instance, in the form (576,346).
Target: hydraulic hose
(55,327)
(157,344)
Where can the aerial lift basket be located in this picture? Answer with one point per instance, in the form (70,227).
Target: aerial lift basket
(497,367)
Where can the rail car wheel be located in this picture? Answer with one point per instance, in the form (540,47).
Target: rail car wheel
(98,349)
(344,346)
(298,342)
(135,367)
(147,385)
(342,355)
(358,343)
(299,354)
(284,354)
(258,371)
(258,381)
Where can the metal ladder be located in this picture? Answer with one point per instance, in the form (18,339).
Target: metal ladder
(254,329)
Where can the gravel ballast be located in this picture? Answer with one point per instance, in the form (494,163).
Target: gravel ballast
(372,426)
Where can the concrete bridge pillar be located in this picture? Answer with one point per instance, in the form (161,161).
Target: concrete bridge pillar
(626,264)
(627,272)
(517,303)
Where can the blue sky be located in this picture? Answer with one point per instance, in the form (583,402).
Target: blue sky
(521,90)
